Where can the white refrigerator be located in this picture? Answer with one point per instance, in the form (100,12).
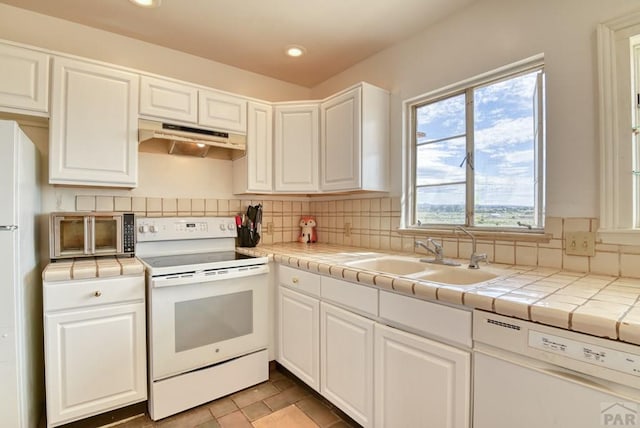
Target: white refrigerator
(21,358)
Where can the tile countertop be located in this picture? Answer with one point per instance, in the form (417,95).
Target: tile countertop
(92,267)
(605,306)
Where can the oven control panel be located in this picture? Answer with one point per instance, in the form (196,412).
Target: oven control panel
(174,228)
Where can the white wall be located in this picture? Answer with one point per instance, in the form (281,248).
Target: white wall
(490,34)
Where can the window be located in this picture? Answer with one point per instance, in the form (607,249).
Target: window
(476,152)
(619,86)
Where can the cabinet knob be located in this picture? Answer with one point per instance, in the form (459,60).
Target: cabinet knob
(294,280)
(98,293)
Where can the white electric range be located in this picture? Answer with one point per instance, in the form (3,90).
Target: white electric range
(206,311)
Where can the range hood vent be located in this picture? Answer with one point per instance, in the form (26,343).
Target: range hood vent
(185,140)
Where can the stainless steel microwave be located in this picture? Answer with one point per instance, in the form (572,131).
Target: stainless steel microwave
(78,234)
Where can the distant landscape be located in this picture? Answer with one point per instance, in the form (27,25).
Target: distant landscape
(485,215)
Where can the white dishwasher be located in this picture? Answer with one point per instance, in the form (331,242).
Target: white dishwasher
(529,375)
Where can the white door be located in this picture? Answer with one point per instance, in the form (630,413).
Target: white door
(507,394)
(95,360)
(299,335)
(24,79)
(346,362)
(259,147)
(93,132)
(168,100)
(340,147)
(199,324)
(420,382)
(222,111)
(296,148)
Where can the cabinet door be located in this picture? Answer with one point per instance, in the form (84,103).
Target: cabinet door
(94,121)
(259,147)
(420,382)
(346,362)
(222,111)
(168,100)
(340,148)
(296,148)
(94,360)
(299,335)
(24,79)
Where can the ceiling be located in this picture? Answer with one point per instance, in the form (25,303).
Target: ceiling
(253,34)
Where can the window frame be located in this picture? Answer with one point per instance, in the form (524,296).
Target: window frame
(410,106)
(619,215)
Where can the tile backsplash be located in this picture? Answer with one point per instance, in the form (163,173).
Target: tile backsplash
(373,223)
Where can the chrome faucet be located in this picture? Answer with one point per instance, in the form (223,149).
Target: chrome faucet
(437,251)
(475,257)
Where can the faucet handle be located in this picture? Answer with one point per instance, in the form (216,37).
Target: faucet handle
(437,245)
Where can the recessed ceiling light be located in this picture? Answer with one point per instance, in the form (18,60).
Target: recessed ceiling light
(201,145)
(295,51)
(146,3)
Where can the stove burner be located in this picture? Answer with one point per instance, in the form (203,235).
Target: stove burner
(194,259)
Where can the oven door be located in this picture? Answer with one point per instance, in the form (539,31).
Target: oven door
(200,324)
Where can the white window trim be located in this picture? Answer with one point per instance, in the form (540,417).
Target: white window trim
(617,222)
(409,138)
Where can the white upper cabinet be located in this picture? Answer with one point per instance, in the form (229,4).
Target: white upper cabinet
(178,101)
(254,171)
(224,111)
(24,80)
(354,150)
(296,147)
(168,100)
(93,131)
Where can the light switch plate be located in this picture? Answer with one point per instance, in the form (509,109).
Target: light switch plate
(580,243)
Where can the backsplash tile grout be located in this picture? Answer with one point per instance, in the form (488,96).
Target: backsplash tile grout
(374,223)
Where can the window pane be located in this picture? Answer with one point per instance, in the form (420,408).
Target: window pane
(441,119)
(441,204)
(439,162)
(504,156)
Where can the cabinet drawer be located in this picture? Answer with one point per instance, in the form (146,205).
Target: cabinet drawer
(359,297)
(432,319)
(92,292)
(299,279)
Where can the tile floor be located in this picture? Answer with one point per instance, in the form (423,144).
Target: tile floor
(281,402)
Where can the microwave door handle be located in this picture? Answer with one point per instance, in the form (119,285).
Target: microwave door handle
(86,221)
(93,234)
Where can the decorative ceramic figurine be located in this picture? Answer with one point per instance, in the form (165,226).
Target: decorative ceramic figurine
(308,232)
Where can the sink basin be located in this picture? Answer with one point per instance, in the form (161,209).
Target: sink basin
(392,265)
(456,275)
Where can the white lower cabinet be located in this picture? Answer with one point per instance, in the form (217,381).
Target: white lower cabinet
(420,382)
(346,362)
(331,335)
(95,354)
(299,335)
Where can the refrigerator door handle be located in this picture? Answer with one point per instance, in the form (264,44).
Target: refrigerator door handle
(9,228)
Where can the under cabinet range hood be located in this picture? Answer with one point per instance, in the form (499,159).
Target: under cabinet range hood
(186,140)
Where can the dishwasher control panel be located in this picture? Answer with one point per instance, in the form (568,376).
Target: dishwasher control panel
(594,354)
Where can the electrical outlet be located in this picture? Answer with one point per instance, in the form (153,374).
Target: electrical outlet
(269,228)
(580,243)
(347,229)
